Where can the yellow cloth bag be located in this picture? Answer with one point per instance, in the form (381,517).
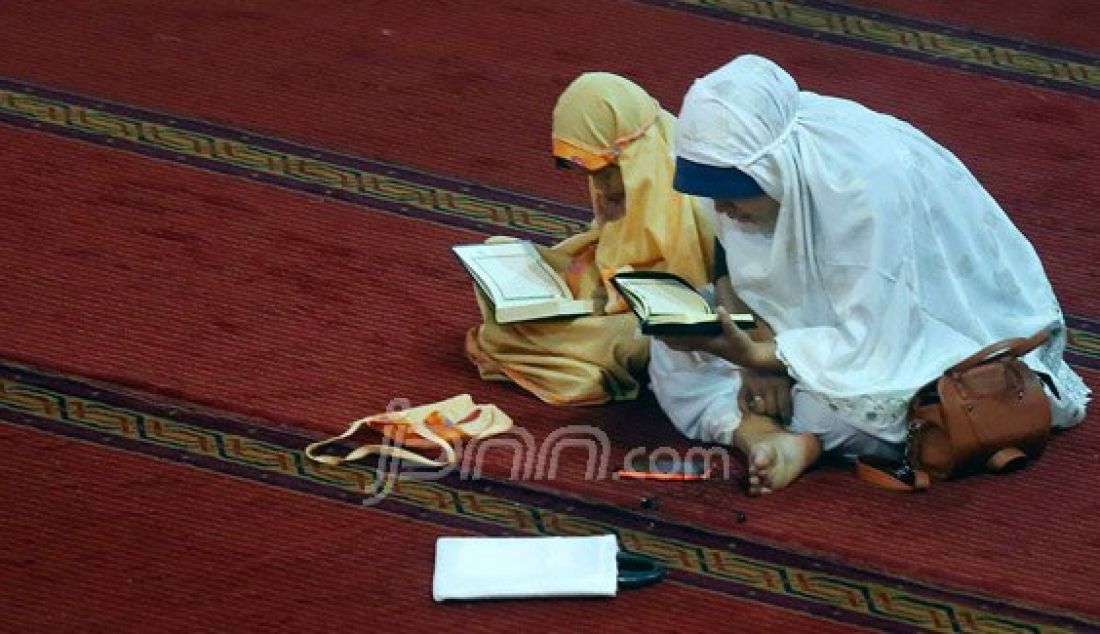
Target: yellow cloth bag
(593,360)
(434,426)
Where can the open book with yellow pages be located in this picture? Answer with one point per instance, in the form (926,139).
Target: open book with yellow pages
(519,283)
(667,305)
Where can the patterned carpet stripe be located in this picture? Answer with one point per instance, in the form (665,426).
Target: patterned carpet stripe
(380,186)
(1020,61)
(1083,348)
(734,565)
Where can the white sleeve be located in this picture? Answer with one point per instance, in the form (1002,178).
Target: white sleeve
(698,391)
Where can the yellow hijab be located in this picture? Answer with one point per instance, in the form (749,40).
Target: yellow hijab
(603,118)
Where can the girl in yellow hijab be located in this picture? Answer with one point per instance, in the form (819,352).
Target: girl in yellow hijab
(611,130)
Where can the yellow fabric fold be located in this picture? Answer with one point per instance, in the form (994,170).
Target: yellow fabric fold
(579,361)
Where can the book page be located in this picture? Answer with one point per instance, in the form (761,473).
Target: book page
(695,318)
(666,297)
(516,278)
(513,272)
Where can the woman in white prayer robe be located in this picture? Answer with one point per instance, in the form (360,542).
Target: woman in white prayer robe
(874,259)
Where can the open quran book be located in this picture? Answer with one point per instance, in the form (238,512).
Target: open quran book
(519,283)
(666,304)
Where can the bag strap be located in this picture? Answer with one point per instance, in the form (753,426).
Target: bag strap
(891,475)
(312,451)
(637,571)
(1016,347)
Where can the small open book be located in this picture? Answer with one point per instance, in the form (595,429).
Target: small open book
(667,305)
(519,283)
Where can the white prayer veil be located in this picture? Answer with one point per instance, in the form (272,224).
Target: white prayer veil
(888,261)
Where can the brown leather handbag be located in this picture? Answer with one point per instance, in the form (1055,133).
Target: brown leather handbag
(988,412)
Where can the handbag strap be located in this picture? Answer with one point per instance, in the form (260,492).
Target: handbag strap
(1016,347)
(891,475)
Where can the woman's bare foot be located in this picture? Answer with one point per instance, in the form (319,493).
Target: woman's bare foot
(775,456)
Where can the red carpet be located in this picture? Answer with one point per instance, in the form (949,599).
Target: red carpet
(173,295)
(469,91)
(307,312)
(734,581)
(166,548)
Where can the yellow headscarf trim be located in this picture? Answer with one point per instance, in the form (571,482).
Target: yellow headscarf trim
(591,158)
